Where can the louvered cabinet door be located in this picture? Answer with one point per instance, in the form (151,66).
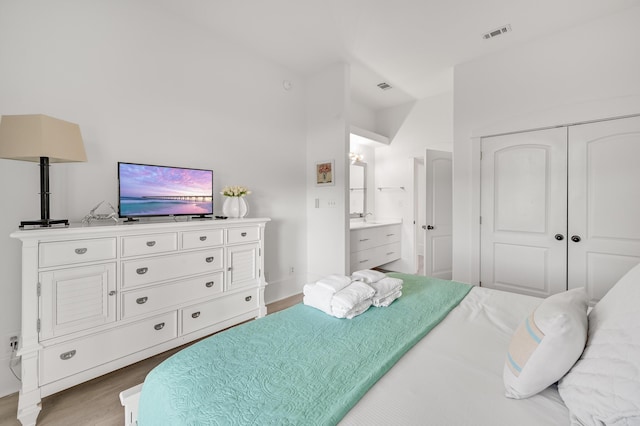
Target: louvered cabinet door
(243,267)
(76,299)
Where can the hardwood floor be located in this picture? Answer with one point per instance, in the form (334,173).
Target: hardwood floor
(96,403)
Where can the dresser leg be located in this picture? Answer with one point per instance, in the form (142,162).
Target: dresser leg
(29,406)
(29,397)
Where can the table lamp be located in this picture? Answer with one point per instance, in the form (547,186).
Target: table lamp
(43,139)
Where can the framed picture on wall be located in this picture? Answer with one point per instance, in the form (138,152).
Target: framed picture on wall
(324,173)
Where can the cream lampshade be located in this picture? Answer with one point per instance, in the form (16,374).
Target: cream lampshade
(42,139)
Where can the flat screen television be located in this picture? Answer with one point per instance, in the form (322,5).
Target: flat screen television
(145,190)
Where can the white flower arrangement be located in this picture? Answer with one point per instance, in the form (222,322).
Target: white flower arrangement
(235,191)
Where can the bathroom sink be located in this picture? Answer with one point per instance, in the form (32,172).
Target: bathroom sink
(372,223)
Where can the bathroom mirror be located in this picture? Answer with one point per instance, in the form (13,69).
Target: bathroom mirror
(358,189)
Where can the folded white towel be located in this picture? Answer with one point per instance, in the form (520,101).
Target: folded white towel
(355,311)
(349,297)
(317,297)
(386,287)
(386,301)
(334,282)
(368,276)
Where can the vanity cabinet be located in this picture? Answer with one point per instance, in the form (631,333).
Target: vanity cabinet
(98,298)
(374,245)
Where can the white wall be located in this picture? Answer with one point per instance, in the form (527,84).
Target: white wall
(328,139)
(413,127)
(361,116)
(584,73)
(365,118)
(147,87)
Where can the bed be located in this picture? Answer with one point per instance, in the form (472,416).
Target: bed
(450,372)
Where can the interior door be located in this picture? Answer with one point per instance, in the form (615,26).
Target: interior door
(439,189)
(604,203)
(524,212)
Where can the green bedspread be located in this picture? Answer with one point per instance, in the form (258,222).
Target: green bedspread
(295,367)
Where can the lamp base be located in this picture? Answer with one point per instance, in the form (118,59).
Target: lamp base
(44,223)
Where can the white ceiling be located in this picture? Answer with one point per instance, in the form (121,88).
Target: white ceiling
(411,44)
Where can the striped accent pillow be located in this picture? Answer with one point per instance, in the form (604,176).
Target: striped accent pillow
(523,344)
(547,344)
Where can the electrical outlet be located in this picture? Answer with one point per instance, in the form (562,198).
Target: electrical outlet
(11,343)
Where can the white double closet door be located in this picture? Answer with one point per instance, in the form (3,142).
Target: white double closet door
(560,208)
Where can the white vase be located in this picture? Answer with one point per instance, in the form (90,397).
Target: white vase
(235,207)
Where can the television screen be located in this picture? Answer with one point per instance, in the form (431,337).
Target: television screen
(146,190)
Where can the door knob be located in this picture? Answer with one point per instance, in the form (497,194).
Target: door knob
(575,239)
(559,237)
(429,226)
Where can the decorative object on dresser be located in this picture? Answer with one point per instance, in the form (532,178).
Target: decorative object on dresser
(95,299)
(92,215)
(234,203)
(43,139)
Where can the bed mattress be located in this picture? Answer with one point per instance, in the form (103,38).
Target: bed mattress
(453,376)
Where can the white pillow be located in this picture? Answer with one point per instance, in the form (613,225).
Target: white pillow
(546,344)
(604,385)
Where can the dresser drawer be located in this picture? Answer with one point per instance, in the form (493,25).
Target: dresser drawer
(218,310)
(389,234)
(149,244)
(241,235)
(388,253)
(76,251)
(365,238)
(149,299)
(202,239)
(164,268)
(65,359)
(362,239)
(364,259)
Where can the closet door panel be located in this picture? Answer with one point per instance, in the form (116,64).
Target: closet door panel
(604,203)
(523,208)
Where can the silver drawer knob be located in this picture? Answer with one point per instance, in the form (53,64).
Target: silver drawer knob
(142,300)
(151,243)
(364,239)
(82,250)
(244,234)
(195,314)
(247,299)
(363,261)
(67,355)
(159,326)
(209,259)
(112,293)
(209,284)
(142,271)
(203,238)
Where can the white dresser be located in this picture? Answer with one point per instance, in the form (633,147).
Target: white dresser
(374,244)
(97,298)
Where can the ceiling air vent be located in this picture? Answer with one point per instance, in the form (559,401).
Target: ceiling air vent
(497,32)
(384,86)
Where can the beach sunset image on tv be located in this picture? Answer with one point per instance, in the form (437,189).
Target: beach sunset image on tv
(147,190)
